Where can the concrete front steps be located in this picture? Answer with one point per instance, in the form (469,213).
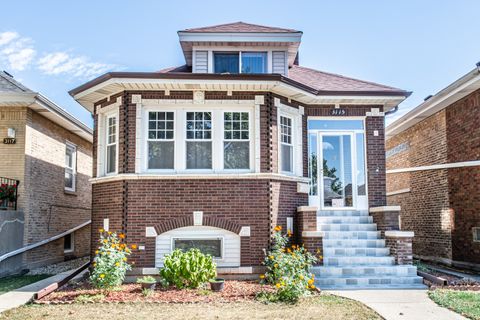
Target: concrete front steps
(355,256)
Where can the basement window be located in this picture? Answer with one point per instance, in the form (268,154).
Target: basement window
(212,247)
(68,243)
(476,234)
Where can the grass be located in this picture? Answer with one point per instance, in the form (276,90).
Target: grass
(324,306)
(467,303)
(15,282)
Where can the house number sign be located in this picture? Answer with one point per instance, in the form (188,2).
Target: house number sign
(338,112)
(9,140)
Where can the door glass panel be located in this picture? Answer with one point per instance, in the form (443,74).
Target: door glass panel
(337,171)
(312,163)
(361,178)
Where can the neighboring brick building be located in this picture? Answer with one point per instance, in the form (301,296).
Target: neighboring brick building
(50,153)
(433,172)
(216,153)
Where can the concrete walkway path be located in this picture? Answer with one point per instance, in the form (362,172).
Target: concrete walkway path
(23,295)
(400,304)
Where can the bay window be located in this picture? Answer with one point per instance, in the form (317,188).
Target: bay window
(236,145)
(199,140)
(160,140)
(111,145)
(286,144)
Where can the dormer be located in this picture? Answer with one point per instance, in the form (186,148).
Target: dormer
(240,48)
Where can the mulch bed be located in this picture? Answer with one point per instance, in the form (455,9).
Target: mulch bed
(234,291)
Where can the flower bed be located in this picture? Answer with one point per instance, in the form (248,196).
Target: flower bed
(83,292)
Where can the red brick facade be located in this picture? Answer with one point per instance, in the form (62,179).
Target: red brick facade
(442,205)
(260,203)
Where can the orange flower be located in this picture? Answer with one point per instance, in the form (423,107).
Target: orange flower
(96,252)
(121,236)
(109,232)
(117,264)
(105,240)
(134,246)
(101,230)
(102,276)
(278,228)
(124,259)
(262,276)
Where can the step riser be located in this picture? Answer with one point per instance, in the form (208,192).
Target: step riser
(368,281)
(358,261)
(347,227)
(327,243)
(347,252)
(335,272)
(351,235)
(341,220)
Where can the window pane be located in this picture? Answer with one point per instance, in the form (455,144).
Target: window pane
(68,179)
(212,247)
(158,126)
(160,154)
(69,157)
(236,155)
(287,158)
(226,62)
(67,242)
(254,62)
(111,158)
(335,124)
(361,181)
(199,155)
(313,164)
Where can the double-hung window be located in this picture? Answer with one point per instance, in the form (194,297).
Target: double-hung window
(236,143)
(286,144)
(160,140)
(70,167)
(111,145)
(199,140)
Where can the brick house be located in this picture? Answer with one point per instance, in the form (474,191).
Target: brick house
(433,172)
(47,153)
(214,154)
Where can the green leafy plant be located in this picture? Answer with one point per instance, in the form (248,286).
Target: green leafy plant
(188,269)
(147,292)
(110,263)
(147,279)
(288,270)
(7,192)
(90,298)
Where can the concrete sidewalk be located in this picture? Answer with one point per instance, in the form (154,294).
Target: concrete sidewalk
(23,295)
(400,304)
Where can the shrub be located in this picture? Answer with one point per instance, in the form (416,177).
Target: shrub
(188,269)
(288,269)
(110,263)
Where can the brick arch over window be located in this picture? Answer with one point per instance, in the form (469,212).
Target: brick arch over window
(188,222)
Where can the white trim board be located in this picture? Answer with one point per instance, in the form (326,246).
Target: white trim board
(463,164)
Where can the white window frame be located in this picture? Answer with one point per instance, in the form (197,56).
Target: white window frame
(180,114)
(251,160)
(73,169)
(72,244)
(222,244)
(476,230)
(291,144)
(107,144)
(211,140)
(146,140)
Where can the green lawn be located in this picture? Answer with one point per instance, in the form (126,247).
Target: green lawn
(467,303)
(15,282)
(324,306)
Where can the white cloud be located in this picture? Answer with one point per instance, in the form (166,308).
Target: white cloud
(18,53)
(58,63)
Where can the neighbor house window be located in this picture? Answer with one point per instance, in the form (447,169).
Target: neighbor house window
(68,243)
(160,140)
(212,247)
(254,62)
(199,140)
(476,234)
(236,62)
(70,167)
(111,154)
(286,144)
(236,143)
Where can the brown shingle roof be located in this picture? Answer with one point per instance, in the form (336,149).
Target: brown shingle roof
(240,27)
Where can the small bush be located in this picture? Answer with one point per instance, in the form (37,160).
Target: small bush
(147,279)
(188,269)
(147,292)
(110,263)
(90,298)
(288,270)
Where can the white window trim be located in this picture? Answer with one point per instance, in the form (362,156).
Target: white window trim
(475,230)
(251,144)
(222,243)
(73,168)
(217,111)
(146,140)
(105,137)
(72,247)
(268,56)
(291,144)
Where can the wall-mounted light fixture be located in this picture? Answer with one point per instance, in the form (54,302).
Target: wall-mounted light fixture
(11,133)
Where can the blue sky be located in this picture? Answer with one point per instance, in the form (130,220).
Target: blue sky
(421,46)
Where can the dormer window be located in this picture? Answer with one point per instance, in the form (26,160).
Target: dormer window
(233,62)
